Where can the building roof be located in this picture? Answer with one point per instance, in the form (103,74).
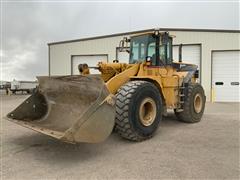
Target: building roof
(146,30)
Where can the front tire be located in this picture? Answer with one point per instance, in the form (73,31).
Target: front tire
(194,104)
(138,110)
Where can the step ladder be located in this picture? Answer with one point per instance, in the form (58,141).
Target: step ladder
(181,97)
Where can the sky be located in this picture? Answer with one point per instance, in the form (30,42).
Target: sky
(27,26)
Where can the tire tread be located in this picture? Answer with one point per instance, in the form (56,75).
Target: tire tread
(186,115)
(123,125)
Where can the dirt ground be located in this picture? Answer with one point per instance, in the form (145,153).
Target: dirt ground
(209,149)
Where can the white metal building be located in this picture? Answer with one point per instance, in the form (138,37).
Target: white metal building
(216,52)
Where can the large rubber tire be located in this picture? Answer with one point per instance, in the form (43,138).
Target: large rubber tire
(129,98)
(189,114)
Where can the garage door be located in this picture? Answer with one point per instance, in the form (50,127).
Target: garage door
(91,60)
(190,54)
(225,76)
(123,57)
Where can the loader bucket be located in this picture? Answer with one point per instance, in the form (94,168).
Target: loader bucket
(69,108)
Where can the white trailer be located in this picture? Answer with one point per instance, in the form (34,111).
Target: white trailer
(27,86)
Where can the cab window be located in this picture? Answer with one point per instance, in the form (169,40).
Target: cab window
(151,51)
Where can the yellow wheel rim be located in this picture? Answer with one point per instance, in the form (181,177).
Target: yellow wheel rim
(147,111)
(198,103)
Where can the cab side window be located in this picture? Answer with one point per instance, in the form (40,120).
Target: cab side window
(152,52)
(138,52)
(165,51)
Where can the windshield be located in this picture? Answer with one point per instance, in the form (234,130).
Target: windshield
(141,47)
(144,46)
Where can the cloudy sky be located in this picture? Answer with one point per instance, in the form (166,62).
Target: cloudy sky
(27,26)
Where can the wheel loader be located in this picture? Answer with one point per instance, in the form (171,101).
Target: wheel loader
(130,98)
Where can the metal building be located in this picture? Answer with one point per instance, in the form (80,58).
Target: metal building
(216,52)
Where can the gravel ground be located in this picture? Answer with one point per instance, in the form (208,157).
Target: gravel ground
(209,149)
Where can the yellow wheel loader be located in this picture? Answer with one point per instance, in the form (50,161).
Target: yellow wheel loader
(131,98)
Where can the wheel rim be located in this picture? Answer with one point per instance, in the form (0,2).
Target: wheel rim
(198,103)
(147,111)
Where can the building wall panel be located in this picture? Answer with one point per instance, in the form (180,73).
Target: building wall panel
(60,54)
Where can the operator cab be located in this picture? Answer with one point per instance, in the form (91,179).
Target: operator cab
(155,48)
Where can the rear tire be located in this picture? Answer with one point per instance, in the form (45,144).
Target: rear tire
(138,110)
(194,104)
